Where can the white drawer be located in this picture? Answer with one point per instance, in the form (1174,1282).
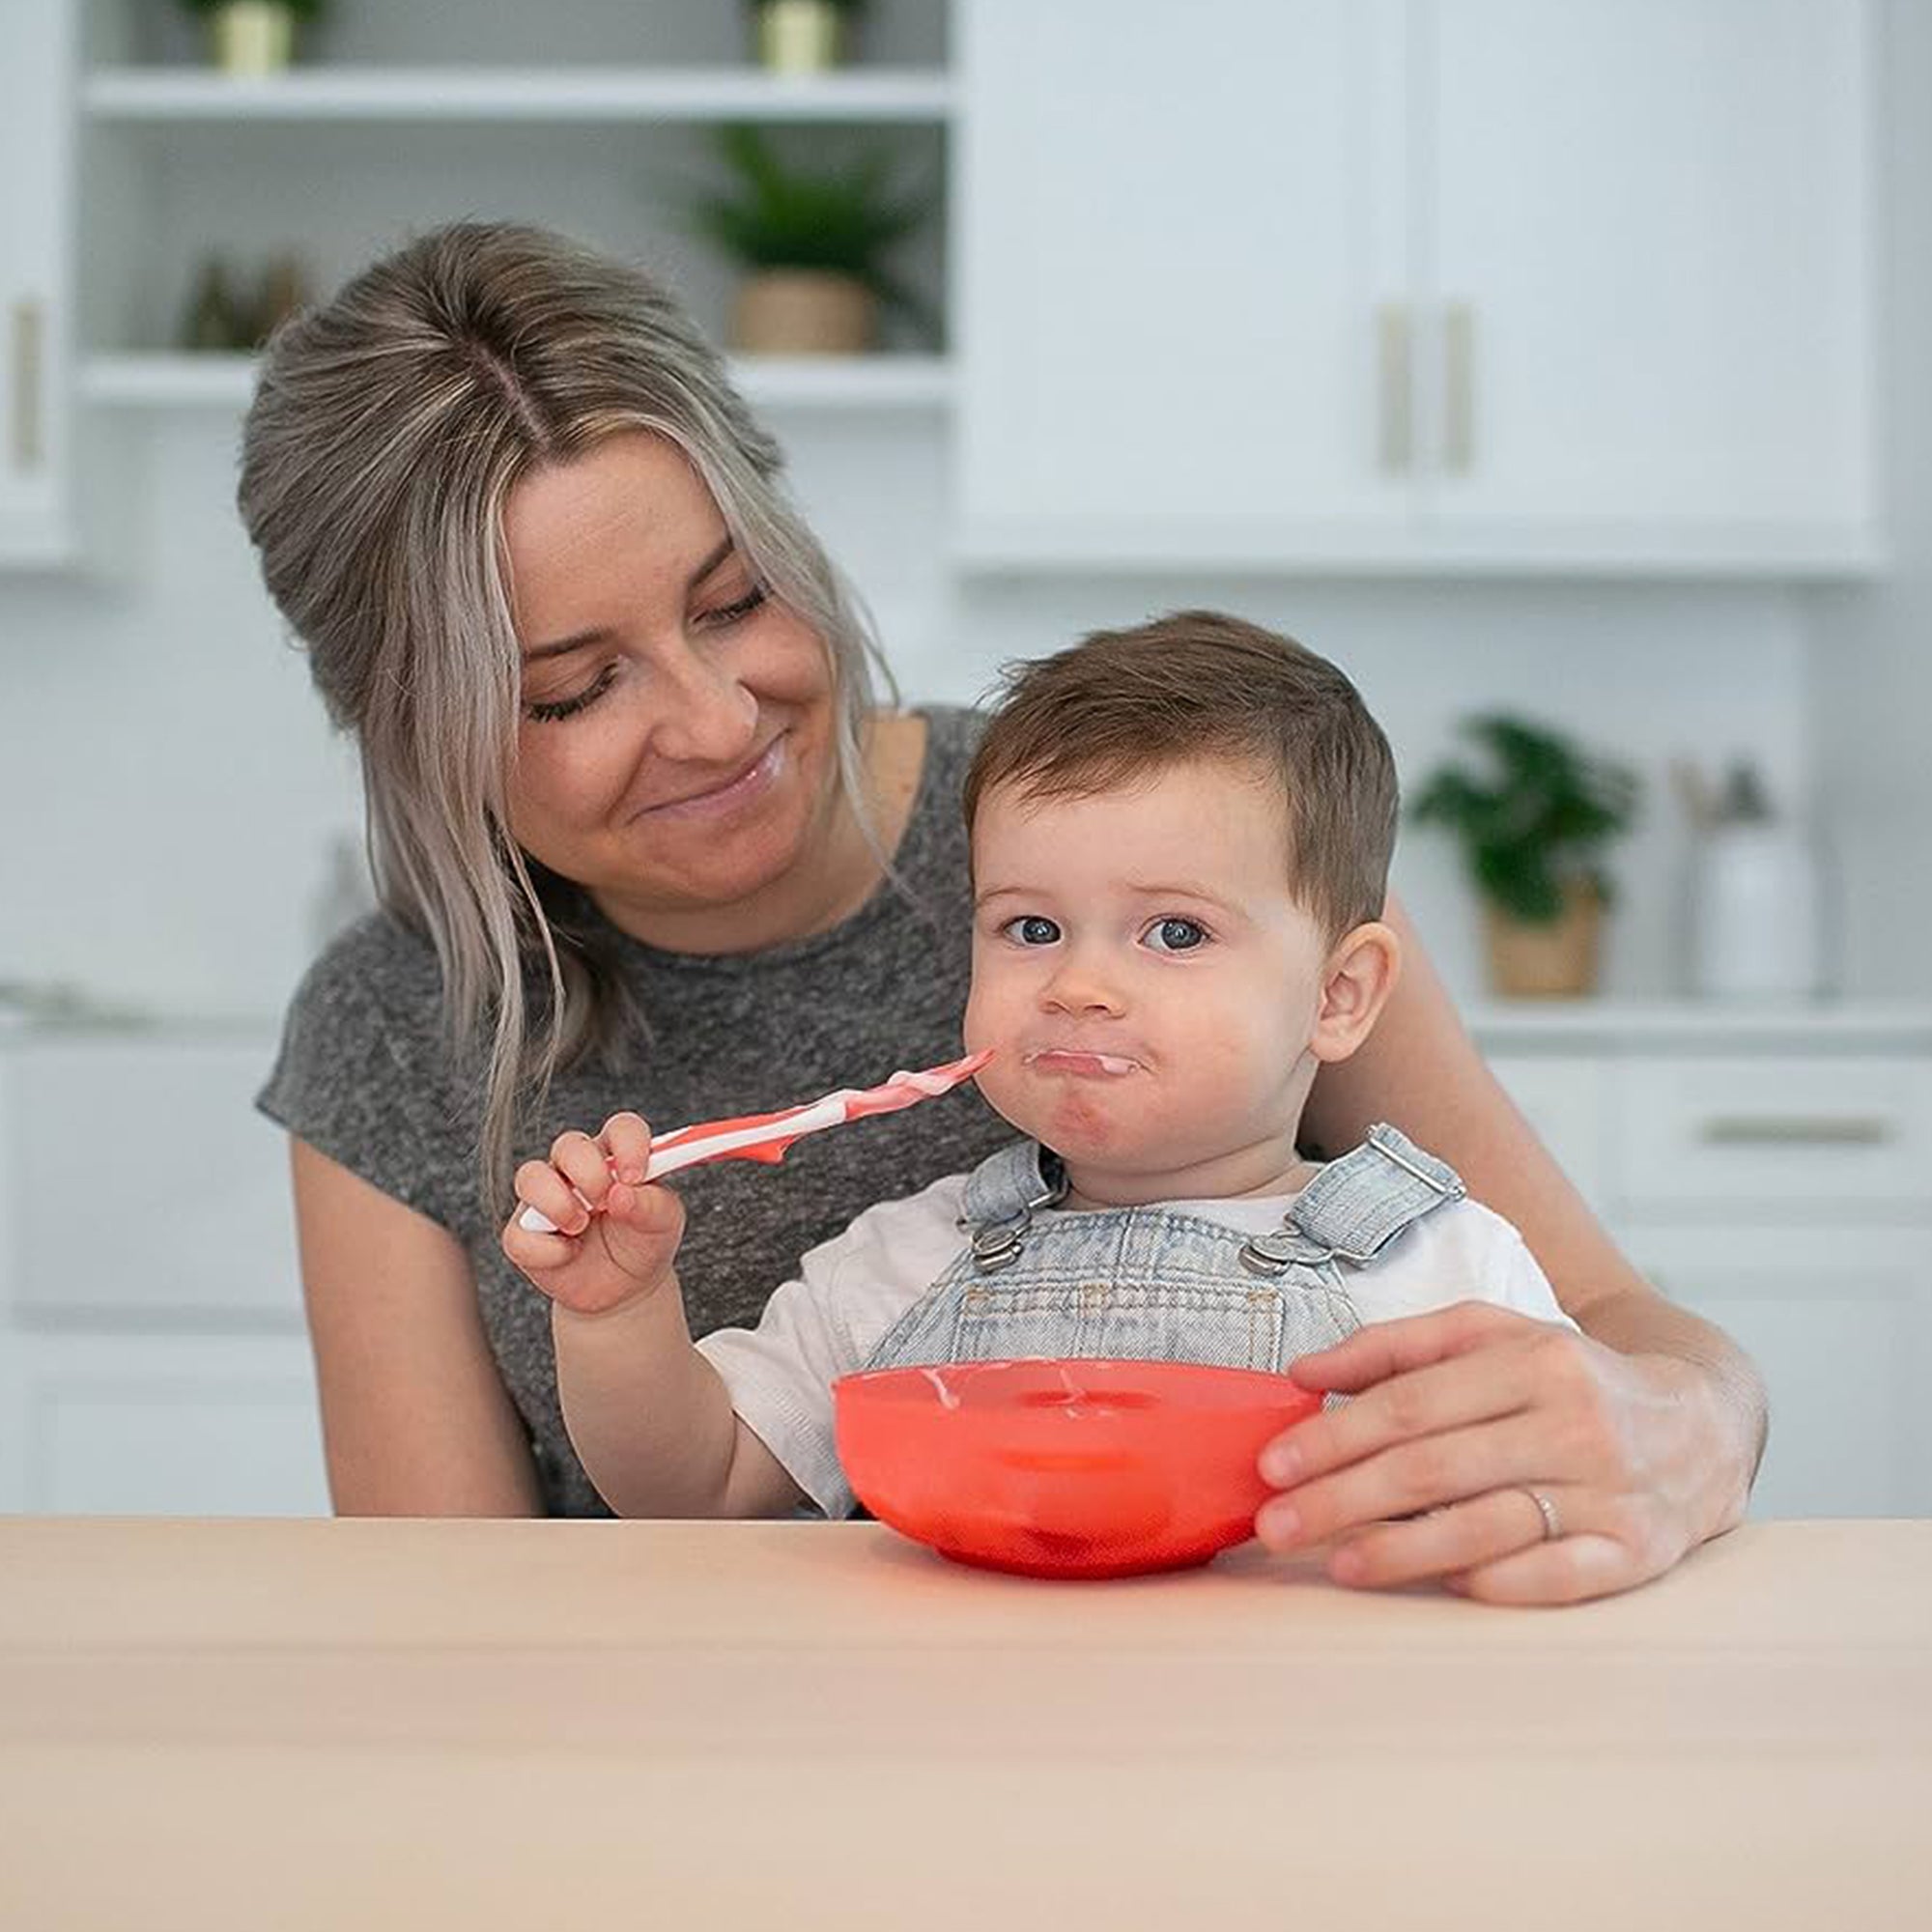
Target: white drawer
(1838,1321)
(142,1186)
(1777,1135)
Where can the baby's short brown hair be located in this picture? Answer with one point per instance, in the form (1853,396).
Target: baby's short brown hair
(1125,705)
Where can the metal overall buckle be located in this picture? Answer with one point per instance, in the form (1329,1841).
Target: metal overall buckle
(997,1245)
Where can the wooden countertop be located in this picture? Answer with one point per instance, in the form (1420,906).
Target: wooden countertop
(480,1725)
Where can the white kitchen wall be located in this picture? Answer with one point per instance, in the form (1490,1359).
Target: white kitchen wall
(166,777)
(1871,658)
(169,784)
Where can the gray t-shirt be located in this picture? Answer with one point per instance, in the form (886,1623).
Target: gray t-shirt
(365,1077)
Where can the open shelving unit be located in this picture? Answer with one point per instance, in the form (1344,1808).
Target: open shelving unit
(381,134)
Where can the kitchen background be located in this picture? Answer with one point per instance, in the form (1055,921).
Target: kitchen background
(1140,291)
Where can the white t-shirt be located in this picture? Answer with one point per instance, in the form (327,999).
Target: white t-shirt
(851,1288)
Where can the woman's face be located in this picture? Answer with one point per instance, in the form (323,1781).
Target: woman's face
(676,747)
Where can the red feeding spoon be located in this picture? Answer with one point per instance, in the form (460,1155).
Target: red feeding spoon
(766,1136)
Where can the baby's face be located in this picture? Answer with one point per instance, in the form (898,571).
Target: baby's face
(1148,982)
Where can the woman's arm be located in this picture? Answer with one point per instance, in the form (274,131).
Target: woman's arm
(416,1418)
(1662,1415)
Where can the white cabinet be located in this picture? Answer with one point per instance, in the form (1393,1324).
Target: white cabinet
(1789,1199)
(196,1424)
(144,1190)
(1645,262)
(1781,1188)
(36,293)
(1837,1316)
(1338,282)
(1176,226)
(153,1355)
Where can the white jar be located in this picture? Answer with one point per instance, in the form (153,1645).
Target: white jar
(1754,914)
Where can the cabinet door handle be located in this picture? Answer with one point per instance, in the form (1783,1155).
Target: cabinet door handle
(1396,388)
(1458,387)
(1798,1130)
(27,440)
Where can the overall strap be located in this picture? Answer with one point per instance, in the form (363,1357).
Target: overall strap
(1356,1205)
(1001,1195)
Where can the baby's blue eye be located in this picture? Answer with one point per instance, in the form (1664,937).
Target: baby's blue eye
(1031,929)
(1176,935)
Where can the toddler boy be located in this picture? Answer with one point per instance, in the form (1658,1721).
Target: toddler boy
(1180,838)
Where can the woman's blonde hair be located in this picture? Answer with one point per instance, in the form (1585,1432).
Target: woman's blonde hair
(387,428)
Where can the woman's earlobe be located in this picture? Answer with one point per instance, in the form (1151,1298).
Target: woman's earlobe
(1356,982)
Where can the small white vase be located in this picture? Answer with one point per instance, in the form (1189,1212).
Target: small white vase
(1757,922)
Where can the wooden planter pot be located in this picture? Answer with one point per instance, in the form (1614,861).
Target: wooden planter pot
(804,312)
(1556,960)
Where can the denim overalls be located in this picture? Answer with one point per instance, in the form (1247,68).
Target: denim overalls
(1156,1283)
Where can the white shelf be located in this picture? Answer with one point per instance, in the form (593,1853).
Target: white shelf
(205,381)
(845,382)
(521,93)
(1801,1026)
(168,382)
(1396,545)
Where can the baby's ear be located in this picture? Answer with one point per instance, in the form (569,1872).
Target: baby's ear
(1359,976)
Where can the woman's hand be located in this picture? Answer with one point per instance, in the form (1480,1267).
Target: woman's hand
(616,1238)
(1457,1417)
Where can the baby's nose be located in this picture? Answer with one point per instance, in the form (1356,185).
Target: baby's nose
(1081,986)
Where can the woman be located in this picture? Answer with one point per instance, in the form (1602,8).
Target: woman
(644,840)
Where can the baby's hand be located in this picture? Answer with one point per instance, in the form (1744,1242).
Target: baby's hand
(616,1238)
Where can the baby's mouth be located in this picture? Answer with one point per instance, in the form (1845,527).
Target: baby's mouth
(1081,1064)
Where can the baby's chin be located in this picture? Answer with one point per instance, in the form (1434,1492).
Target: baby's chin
(1094,1133)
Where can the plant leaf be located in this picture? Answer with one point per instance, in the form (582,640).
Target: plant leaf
(1541,813)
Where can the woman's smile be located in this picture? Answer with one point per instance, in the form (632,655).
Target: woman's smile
(742,788)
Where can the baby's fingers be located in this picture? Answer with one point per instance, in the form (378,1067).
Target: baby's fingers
(566,1193)
(540,1187)
(585,1165)
(639,1231)
(537,1254)
(627,1141)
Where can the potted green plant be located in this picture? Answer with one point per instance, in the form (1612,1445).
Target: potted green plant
(1533,828)
(253,37)
(813,244)
(802,35)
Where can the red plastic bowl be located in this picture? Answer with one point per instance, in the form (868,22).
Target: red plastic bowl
(1065,1467)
